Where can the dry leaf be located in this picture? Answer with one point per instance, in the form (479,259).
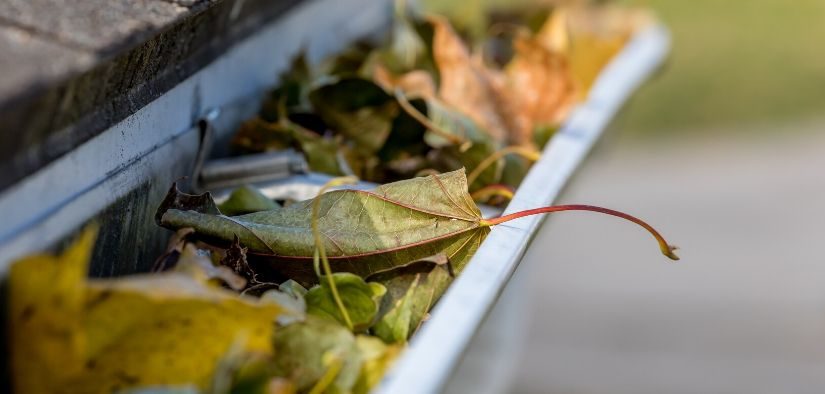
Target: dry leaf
(306,349)
(69,334)
(378,357)
(540,86)
(414,84)
(193,262)
(594,36)
(411,292)
(464,84)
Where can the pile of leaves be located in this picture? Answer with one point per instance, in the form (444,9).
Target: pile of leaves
(317,296)
(320,295)
(424,102)
(180,331)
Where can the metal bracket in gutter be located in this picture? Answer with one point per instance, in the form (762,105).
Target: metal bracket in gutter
(437,348)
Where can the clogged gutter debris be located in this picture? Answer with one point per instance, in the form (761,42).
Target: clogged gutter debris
(322,295)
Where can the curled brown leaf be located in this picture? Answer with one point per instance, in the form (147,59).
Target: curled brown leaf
(465,85)
(540,86)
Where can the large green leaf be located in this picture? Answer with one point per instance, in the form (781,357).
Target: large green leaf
(364,231)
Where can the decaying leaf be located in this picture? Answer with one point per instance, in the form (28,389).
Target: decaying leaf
(294,305)
(540,86)
(464,84)
(406,45)
(306,350)
(322,153)
(174,248)
(71,334)
(593,36)
(258,135)
(319,349)
(194,263)
(535,91)
(515,98)
(364,232)
(377,358)
(293,288)
(234,257)
(174,199)
(458,140)
(361,300)
(411,291)
(416,83)
(356,108)
(455,124)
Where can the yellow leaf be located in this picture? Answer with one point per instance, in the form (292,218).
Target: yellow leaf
(554,34)
(378,357)
(593,36)
(70,334)
(46,295)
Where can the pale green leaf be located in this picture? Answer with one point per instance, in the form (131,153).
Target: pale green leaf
(302,349)
(412,290)
(361,299)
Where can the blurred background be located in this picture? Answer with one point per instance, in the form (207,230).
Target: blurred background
(724,152)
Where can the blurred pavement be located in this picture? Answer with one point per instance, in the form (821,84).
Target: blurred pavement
(742,312)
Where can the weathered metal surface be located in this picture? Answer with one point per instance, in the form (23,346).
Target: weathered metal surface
(28,58)
(157,144)
(91,24)
(114,58)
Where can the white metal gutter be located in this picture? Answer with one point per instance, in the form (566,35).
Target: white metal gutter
(437,348)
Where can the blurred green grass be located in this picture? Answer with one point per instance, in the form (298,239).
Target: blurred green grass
(734,63)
